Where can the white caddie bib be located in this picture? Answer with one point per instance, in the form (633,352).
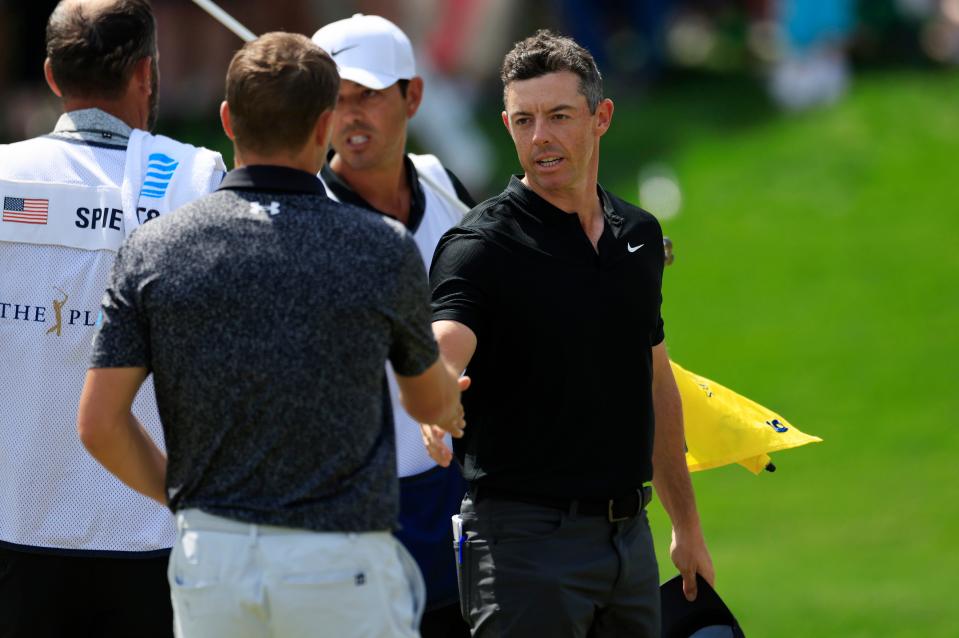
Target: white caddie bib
(62,222)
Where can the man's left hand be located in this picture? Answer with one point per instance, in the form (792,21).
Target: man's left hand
(690,556)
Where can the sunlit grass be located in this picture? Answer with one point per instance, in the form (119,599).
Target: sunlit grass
(818,273)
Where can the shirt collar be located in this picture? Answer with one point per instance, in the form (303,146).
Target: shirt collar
(347,195)
(270,178)
(545,211)
(93,124)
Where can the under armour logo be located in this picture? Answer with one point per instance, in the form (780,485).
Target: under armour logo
(257,208)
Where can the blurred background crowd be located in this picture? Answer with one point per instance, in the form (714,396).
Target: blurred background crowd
(803,51)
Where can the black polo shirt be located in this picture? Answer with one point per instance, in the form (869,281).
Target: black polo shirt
(561,396)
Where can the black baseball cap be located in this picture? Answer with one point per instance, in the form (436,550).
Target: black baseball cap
(706,617)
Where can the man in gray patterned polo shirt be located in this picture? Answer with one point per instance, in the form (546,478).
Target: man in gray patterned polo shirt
(266,313)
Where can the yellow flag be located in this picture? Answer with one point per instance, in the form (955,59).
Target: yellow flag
(723,427)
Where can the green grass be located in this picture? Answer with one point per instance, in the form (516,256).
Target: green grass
(818,272)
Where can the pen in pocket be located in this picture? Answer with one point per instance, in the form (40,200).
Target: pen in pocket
(458,537)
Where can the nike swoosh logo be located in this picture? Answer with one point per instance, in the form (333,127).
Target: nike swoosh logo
(333,54)
(633,249)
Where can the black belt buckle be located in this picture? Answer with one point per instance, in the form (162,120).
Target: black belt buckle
(611,515)
(613,518)
(643,497)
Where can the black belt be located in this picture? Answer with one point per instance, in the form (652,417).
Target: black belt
(614,509)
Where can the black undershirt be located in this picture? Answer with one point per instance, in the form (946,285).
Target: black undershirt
(345,193)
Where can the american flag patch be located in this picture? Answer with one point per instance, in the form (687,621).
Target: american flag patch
(25,210)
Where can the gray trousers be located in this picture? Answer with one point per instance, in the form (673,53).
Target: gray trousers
(528,571)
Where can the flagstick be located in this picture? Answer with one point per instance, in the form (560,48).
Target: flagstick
(226,19)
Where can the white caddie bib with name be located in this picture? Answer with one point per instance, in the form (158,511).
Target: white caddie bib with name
(63,220)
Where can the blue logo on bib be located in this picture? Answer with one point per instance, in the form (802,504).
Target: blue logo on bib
(160,169)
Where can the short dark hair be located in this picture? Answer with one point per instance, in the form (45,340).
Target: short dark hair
(92,52)
(277,86)
(546,52)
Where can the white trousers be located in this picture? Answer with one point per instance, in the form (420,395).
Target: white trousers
(235,580)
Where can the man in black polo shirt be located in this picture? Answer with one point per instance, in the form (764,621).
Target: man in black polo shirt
(549,295)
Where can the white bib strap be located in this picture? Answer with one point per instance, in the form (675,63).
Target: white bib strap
(432,173)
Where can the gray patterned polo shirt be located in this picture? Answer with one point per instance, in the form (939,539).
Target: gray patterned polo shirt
(266,312)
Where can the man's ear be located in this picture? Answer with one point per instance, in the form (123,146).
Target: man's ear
(414,95)
(225,120)
(51,81)
(324,130)
(505,117)
(142,77)
(604,116)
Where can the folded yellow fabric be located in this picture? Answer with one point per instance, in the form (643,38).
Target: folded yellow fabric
(723,427)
